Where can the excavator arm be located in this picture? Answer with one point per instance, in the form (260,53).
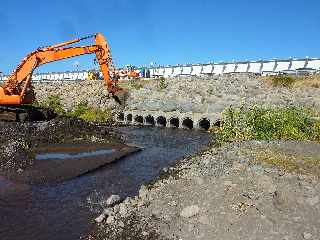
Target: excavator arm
(16,88)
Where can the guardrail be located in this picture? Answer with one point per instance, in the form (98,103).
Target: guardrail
(262,67)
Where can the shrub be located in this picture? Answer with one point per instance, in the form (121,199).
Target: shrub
(53,102)
(82,111)
(97,115)
(259,123)
(282,81)
(162,83)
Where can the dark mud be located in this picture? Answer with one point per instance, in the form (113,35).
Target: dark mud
(18,141)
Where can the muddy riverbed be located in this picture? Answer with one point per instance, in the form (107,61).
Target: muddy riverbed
(66,210)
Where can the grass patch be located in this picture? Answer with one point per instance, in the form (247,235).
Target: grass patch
(292,81)
(288,162)
(282,81)
(135,84)
(262,123)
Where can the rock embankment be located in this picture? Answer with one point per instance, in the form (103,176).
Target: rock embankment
(212,94)
(94,93)
(205,94)
(222,193)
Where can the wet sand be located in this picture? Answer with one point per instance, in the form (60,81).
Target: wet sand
(64,162)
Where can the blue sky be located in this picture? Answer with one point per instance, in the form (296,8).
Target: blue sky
(162,31)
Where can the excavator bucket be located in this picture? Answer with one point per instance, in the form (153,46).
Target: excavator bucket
(120,96)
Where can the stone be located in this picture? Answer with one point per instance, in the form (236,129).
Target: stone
(266,184)
(199,180)
(143,191)
(123,210)
(227,183)
(112,200)
(313,201)
(190,211)
(110,219)
(100,218)
(204,219)
(107,211)
(120,224)
(307,235)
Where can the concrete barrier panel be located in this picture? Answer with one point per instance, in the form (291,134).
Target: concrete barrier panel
(207,69)
(186,70)
(230,68)
(177,70)
(254,67)
(268,66)
(242,68)
(218,69)
(168,71)
(196,70)
(296,64)
(314,64)
(282,66)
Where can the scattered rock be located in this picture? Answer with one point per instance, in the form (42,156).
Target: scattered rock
(266,184)
(313,201)
(143,191)
(190,211)
(110,220)
(100,218)
(204,219)
(112,200)
(307,235)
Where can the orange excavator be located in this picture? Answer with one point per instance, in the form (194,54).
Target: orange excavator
(17,90)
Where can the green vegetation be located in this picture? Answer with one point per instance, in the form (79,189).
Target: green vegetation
(262,123)
(308,165)
(162,83)
(53,103)
(82,111)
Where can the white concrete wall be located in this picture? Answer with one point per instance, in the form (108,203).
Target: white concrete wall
(259,67)
(218,69)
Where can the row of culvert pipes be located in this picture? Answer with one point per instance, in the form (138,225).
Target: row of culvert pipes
(185,122)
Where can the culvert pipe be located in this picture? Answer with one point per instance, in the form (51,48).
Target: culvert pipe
(174,122)
(149,120)
(120,117)
(204,124)
(129,117)
(187,123)
(161,121)
(138,120)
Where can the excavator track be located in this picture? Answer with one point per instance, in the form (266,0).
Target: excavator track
(25,113)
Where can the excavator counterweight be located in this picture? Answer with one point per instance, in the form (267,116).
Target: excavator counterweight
(17,90)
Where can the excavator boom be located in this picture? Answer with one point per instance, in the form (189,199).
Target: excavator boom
(17,89)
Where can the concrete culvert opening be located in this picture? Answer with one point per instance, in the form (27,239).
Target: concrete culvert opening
(161,121)
(138,120)
(129,117)
(150,120)
(174,122)
(204,124)
(121,117)
(187,123)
